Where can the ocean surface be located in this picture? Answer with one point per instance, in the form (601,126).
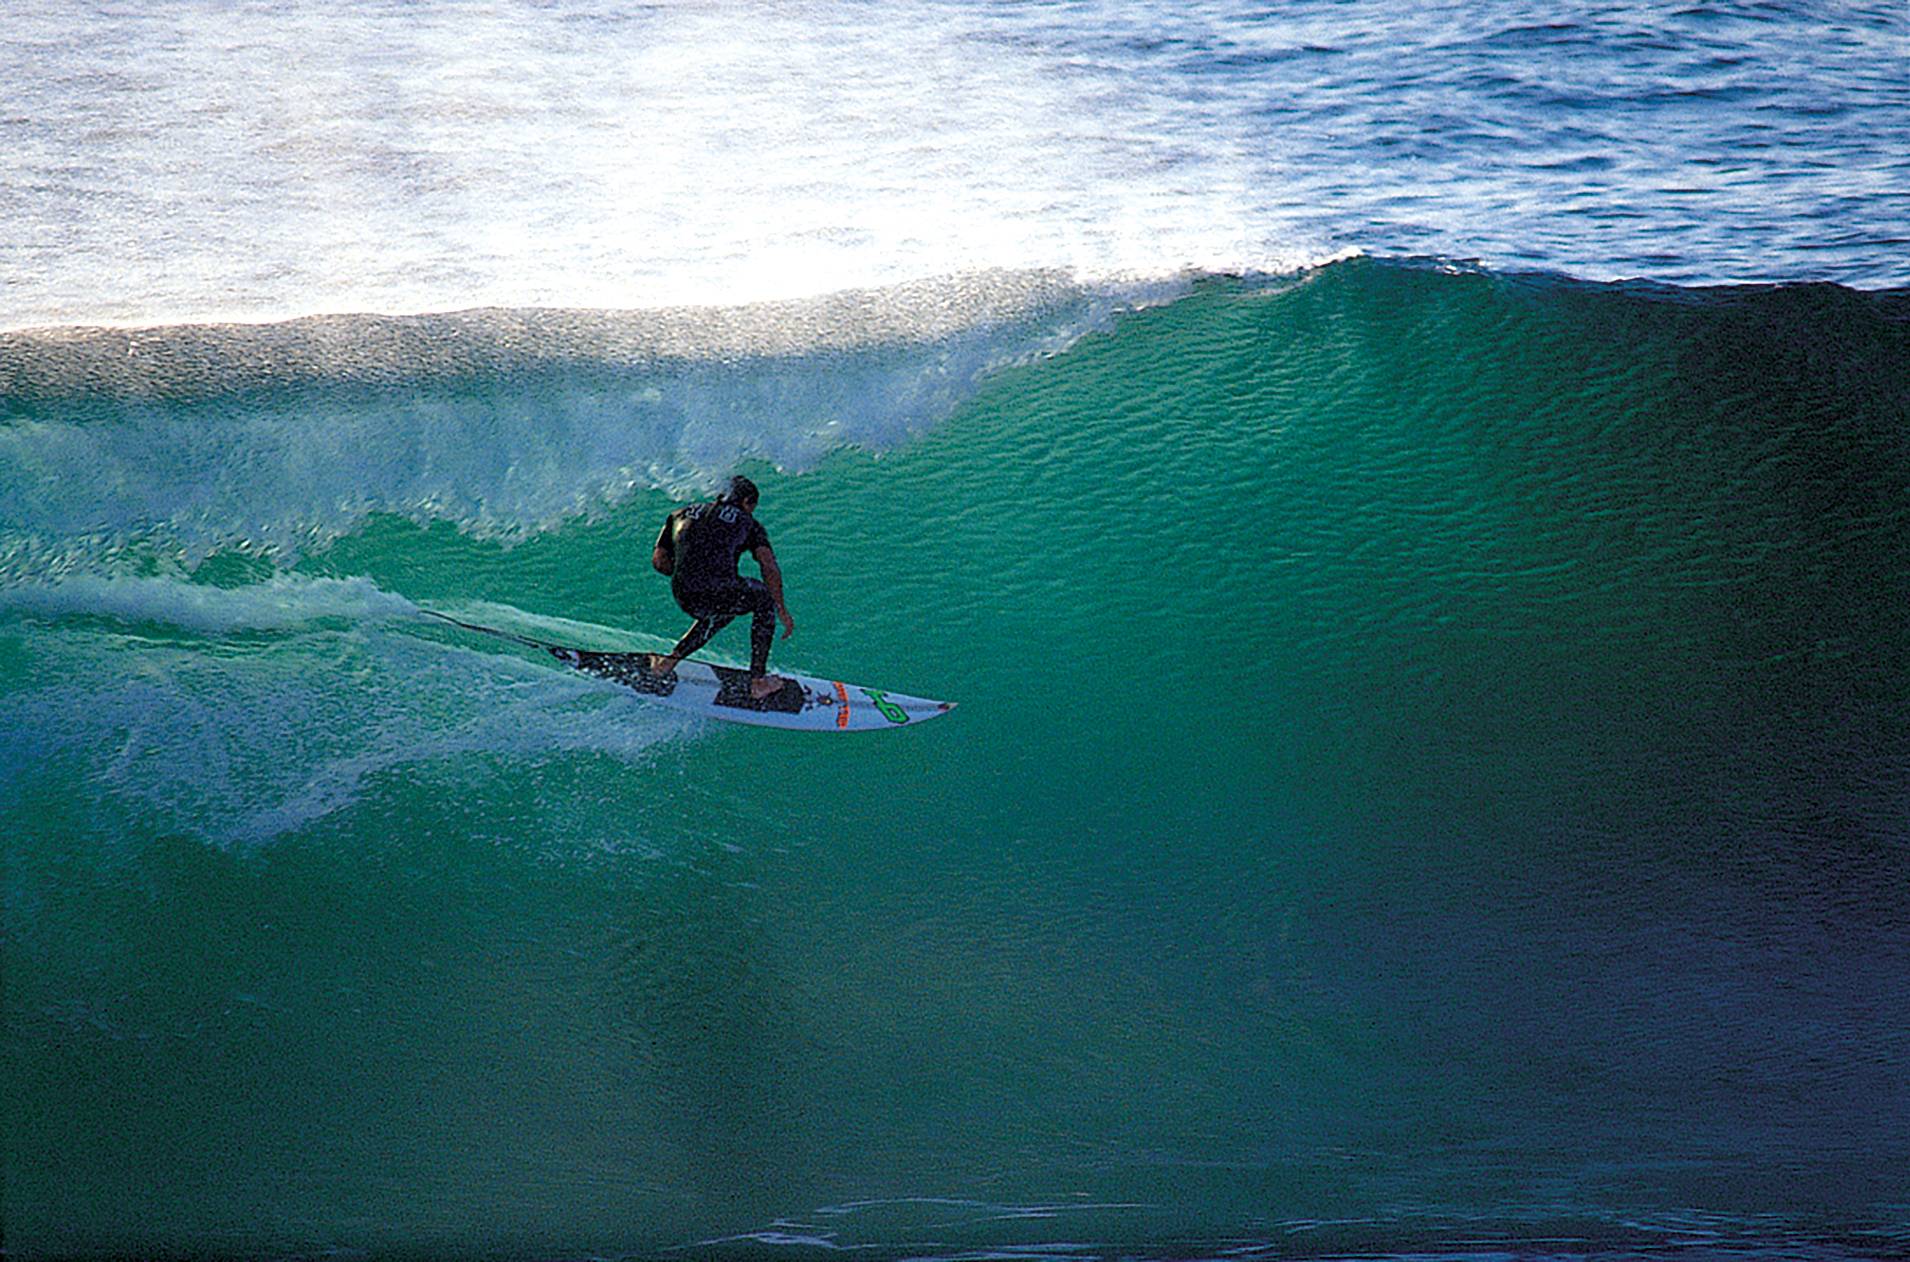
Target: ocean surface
(1413,502)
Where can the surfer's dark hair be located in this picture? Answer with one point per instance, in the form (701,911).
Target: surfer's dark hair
(741,491)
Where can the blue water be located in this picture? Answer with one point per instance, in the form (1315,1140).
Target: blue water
(1413,502)
(185,159)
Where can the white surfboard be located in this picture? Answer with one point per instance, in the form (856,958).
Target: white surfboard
(722,692)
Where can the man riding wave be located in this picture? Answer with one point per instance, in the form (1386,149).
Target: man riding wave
(698,548)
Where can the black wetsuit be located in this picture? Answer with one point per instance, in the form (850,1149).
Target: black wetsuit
(704,541)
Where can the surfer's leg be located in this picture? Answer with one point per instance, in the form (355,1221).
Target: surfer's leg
(695,638)
(762,628)
(762,634)
(715,610)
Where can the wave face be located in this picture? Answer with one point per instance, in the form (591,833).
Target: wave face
(1432,775)
(181,161)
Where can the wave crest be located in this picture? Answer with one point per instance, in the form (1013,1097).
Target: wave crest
(277,437)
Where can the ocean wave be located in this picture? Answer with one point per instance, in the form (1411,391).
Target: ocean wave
(276,437)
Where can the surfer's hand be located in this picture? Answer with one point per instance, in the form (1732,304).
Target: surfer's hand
(789,624)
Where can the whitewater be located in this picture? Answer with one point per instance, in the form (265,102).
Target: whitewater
(1410,501)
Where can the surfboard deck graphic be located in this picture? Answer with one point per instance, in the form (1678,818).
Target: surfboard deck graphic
(722,692)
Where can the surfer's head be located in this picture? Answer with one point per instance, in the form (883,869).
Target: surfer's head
(741,492)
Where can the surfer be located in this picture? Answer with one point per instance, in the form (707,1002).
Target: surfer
(698,548)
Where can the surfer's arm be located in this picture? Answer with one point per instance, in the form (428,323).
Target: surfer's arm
(773,580)
(663,556)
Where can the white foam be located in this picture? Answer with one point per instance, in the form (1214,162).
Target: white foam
(262,162)
(259,740)
(278,604)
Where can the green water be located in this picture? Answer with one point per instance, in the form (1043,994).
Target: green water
(1432,750)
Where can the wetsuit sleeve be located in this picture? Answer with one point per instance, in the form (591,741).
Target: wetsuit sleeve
(666,539)
(757,537)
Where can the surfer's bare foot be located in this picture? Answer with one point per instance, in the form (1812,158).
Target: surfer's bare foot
(765,686)
(661,665)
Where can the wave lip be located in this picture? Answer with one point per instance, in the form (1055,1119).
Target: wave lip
(207,360)
(503,421)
